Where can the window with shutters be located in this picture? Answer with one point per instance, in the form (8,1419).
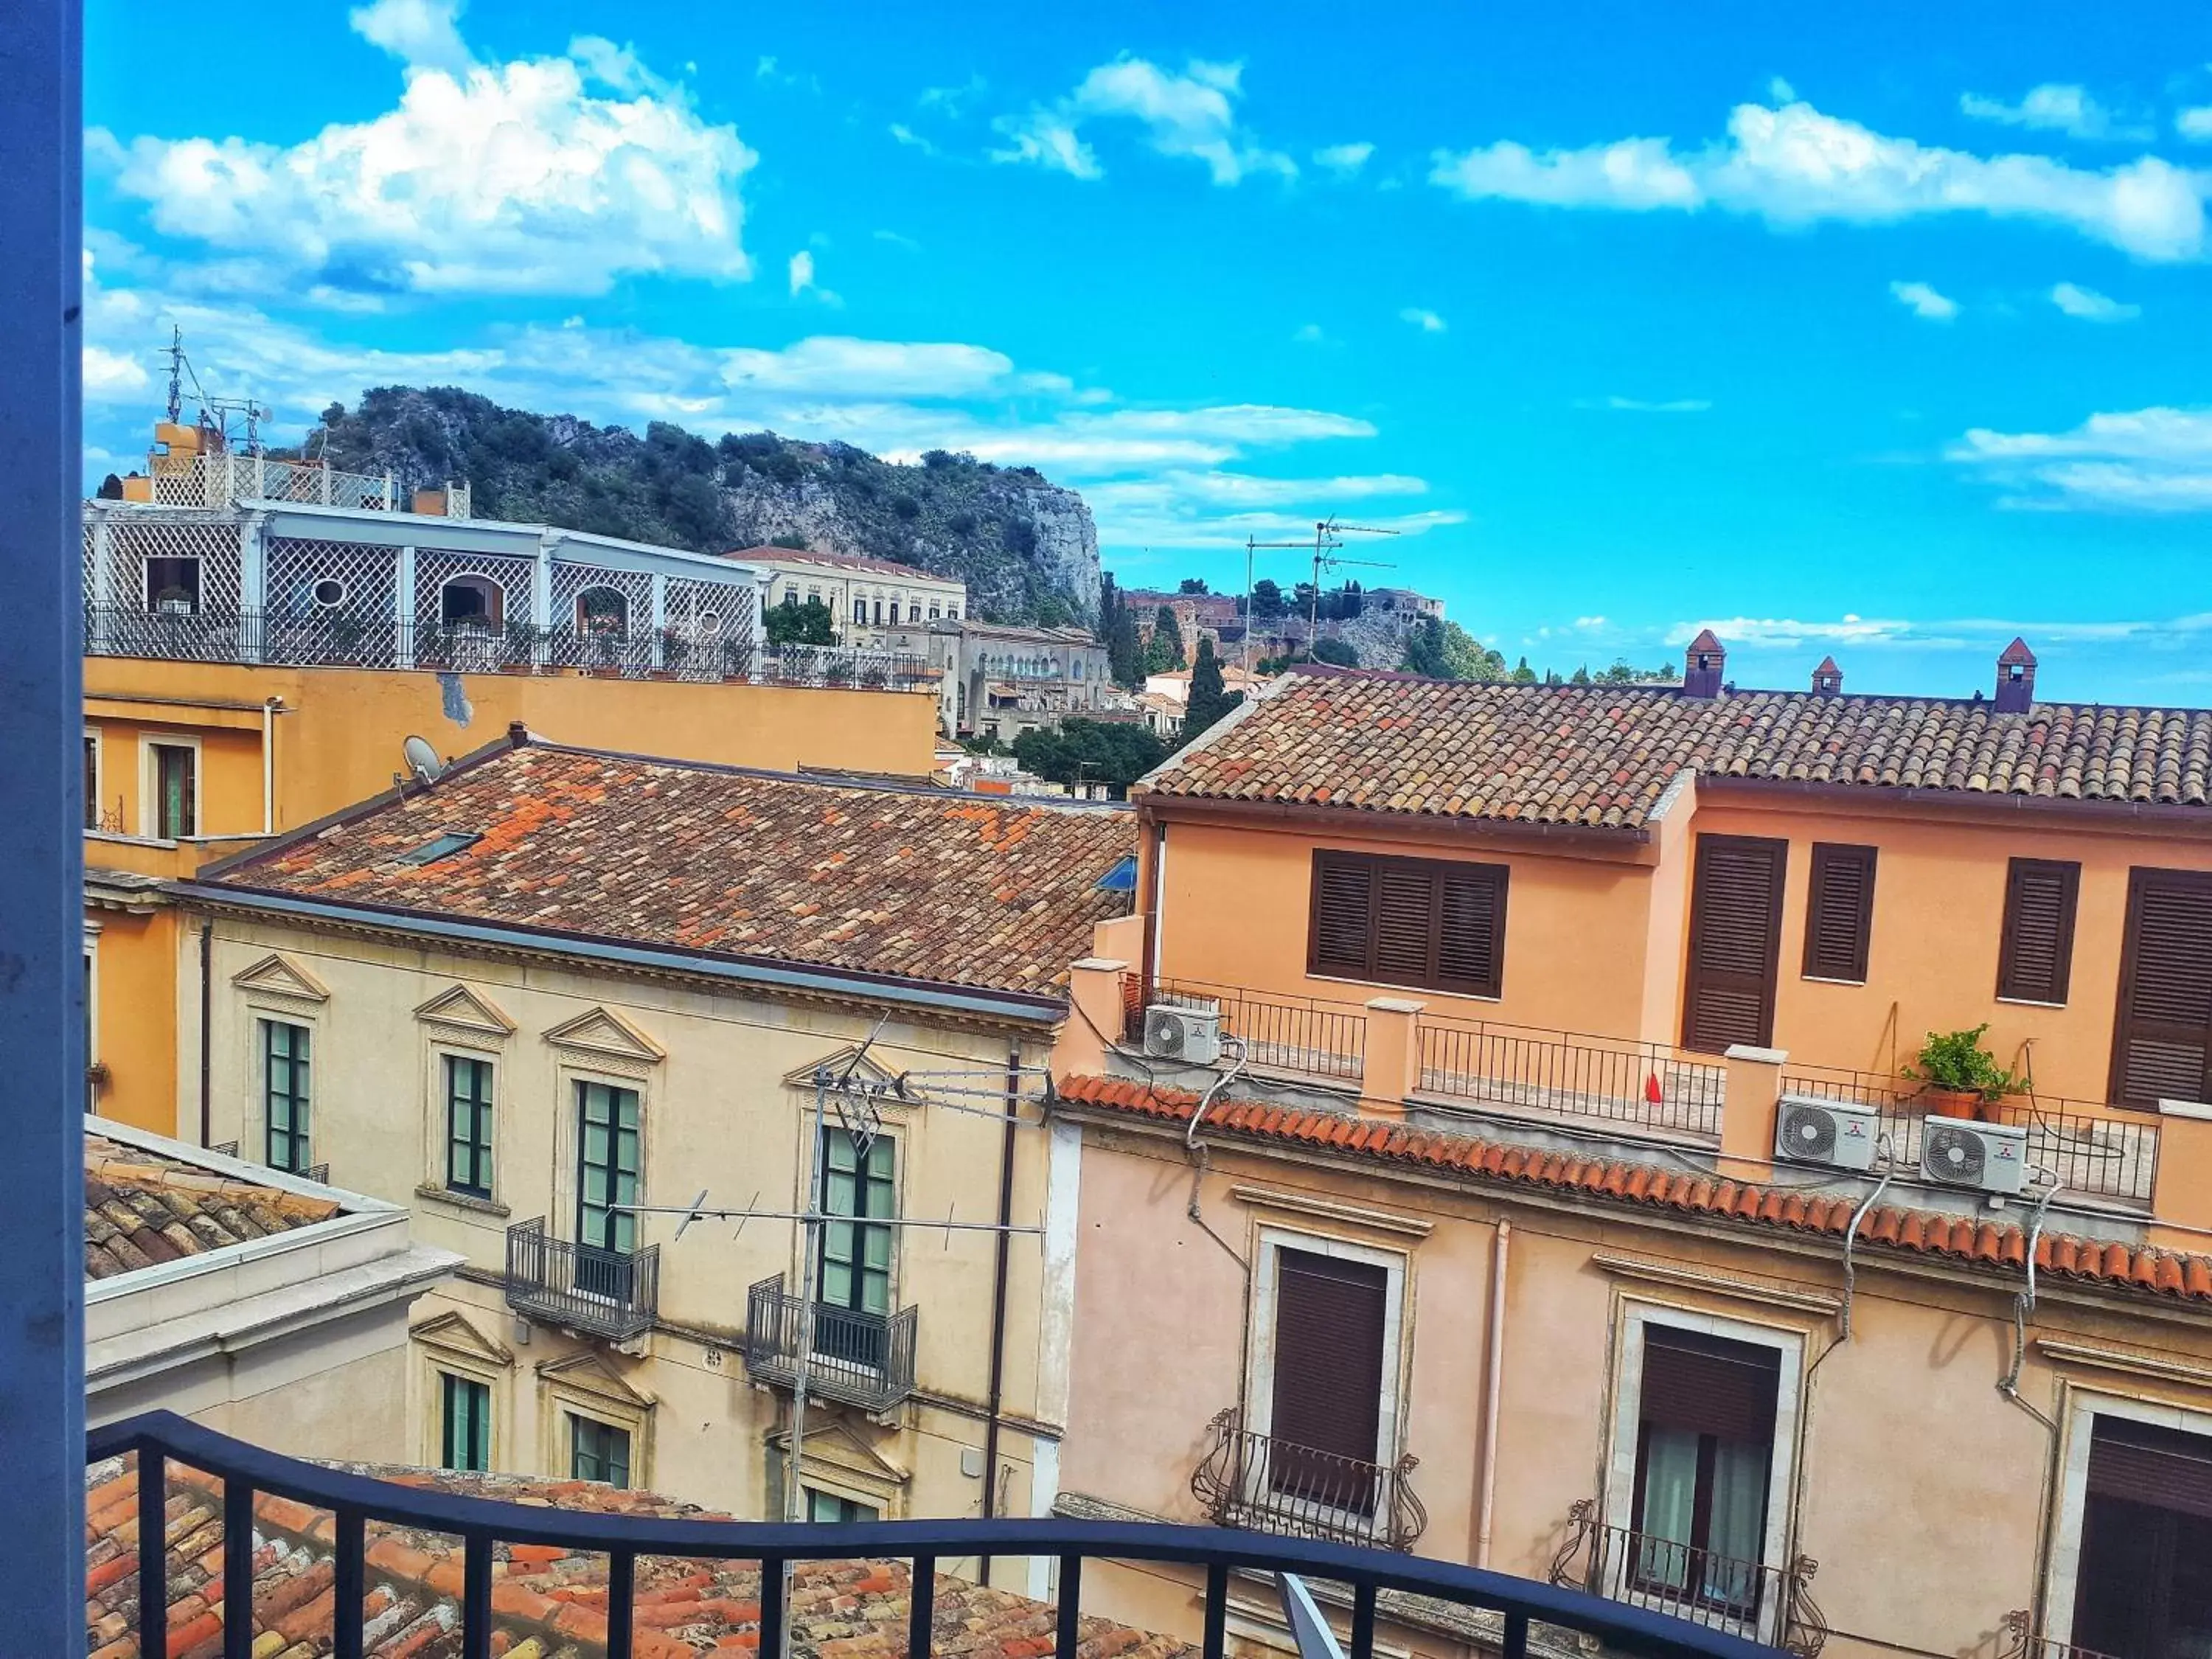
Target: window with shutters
(1704,1461)
(2162,1035)
(1735,942)
(1437,924)
(2143,1583)
(1839,912)
(1325,1386)
(2035,951)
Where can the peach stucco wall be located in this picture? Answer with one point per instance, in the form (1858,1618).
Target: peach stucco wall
(1926,1495)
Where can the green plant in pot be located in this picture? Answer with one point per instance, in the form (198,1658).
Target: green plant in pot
(1958,1077)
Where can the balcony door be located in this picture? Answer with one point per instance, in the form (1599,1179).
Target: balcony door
(1325,1416)
(2162,1037)
(2143,1589)
(853,1280)
(1735,942)
(607,1153)
(1704,1456)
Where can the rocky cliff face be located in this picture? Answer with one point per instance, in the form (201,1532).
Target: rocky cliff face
(1026,548)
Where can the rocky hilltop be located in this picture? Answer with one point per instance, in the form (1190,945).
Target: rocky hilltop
(1026,548)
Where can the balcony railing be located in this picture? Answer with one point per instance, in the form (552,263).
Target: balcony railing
(1570,1074)
(2090,1152)
(613,1294)
(483,1532)
(2022,1640)
(220,478)
(1773,1605)
(1256,1481)
(864,1360)
(1300,1036)
(342,639)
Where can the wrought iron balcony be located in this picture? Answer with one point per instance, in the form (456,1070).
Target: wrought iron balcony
(1750,1599)
(337,1507)
(613,1294)
(864,1360)
(1254,1480)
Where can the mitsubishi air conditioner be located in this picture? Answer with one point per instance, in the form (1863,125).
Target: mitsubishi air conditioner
(1177,1031)
(1841,1134)
(1991,1158)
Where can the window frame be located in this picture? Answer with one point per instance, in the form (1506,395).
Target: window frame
(1825,853)
(2080,1410)
(300,1142)
(1492,989)
(1617,1507)
(483,1155)
(582,1421)
(2070,870)
(149,784)
(449,1383)
(95,780)
(863,1228)
(1272,1240)
(578,1086)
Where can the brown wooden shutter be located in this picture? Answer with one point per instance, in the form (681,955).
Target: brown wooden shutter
(2162,1041)
(1328,1354)
(1471,944)
(1703,1384)
(2144,1463)
(1404,921)
(1343,907)
(1839,912)
(1735,942)
(2035,953)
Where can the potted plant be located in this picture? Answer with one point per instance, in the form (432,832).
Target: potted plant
(1958,1077)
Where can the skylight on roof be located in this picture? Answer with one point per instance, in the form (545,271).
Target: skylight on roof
(443,845)
(1121,878)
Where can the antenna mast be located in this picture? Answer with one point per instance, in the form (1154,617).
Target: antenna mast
(1327,538)
(1251,546)
(176,354)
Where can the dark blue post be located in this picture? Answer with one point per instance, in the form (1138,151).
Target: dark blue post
(42,1091)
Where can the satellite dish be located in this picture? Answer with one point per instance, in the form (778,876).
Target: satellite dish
(422,760)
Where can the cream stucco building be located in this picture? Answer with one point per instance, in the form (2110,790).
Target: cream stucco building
(473,1000)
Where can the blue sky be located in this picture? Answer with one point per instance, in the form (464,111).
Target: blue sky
(1883,333)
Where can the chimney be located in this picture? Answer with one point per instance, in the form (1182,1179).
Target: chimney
(1827,679)
(2015,678)
(1701,665)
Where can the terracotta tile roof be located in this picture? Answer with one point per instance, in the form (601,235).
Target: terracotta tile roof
(544,1602)
(916,882)
(141,1209)
(2185,1277)
(1601,756)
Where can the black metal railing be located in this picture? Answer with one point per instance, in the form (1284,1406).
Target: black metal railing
(344,639)
(865,1359)
(2089,1151)
(1644,1570)
(2022,1640)
(1303,1036)
(1620,1079)
(343,1504)
(1257,1481)
(610,1293)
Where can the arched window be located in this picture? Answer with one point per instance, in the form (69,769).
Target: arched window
(602,610)
(471,602)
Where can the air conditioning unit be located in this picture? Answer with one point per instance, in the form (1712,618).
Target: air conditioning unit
(1840,1134)
(1175,1031)
(1990,1157)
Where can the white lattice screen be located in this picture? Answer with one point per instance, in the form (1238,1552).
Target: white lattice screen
(135,544)
(305,577)
(434,568)
(701,610)
(571,581)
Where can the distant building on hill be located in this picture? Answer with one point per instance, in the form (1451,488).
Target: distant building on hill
(997,680)
(873,602)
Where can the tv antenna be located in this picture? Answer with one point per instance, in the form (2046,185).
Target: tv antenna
(214,412)
(1251,548)
(1328,536)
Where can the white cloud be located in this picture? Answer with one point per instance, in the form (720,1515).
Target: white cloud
(1191,115)
(1311,334)
(2152,460)
(1781,91)
(2195,124)
(1422,319)
(1648,405)
(1183,508)
(420,34)
(1590,624)
(907,136)
(2091,306)
(1793,166)
(110,375)
(523,177)
(1344,160)
(2053,106)
(1990,633)
(953,99)
(1924,301)
(802,272)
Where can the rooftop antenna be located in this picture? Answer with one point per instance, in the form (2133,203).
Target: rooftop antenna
(422,760)
(1251,547)
(176,355)
(181,369)
(1328,534)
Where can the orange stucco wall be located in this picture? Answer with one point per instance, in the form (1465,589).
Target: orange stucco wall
(1924,1494)
(339,742)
